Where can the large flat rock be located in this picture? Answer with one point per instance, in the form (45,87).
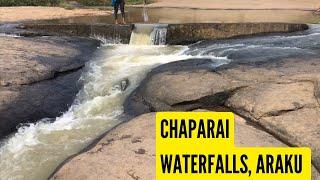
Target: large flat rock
(281,95)
(30,60)
(183,85)
(288,110)
(272,99)
(39,77)
(128,151)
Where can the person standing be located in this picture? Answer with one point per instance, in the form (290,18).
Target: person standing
(116,5)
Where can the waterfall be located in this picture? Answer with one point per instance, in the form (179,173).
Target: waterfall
(149,34)
(36,149)
(159,35)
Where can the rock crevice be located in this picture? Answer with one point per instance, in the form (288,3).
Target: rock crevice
(285,105)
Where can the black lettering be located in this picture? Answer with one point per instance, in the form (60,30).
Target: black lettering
(269,162)
(227,128)
(228,171)
(183,129)
(193,163)
(243,159)
(166,163)
(164,123)
(219,166)
(201,129)
(210,124)
(298,163)
(260,165)
(234,163)
(210,162)
(173,128)
(177,165)
(220,129)
(192,127)
(202,163)
(288,164)
(186,162)
(279,165)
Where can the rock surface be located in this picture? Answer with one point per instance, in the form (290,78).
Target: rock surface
(176,33)
(128,151)
(38,77)
(191,33)
(282,96)
(110,32)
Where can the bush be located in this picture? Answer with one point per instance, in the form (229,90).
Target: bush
(94,2)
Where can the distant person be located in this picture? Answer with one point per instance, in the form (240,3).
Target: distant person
(119,4)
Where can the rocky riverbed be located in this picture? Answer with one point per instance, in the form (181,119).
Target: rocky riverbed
(270,82)
(280,98)
(38,77)
(275,91)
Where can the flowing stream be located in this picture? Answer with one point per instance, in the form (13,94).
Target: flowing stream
(37,149)
(149,34)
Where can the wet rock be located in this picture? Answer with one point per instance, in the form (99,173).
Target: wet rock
(124,84)
(176,33)
(282,96)
(184,85)
(107,31)
(38,77)
(29,103)
(114,157)
(190,33)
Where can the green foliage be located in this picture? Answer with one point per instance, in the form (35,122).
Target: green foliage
(135,1)
(94,2)
(29,2)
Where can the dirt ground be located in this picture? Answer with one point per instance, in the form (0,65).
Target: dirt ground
(18,14)
(240,4)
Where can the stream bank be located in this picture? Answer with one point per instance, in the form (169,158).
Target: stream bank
(98,106)
(39,77)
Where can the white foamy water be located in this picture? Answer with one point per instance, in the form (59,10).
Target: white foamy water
(9,35)
(149,34)
(37,149)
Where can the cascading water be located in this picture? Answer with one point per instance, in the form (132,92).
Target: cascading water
(141,34)
(6,29)
(149,34)
(159,34)
(37,149)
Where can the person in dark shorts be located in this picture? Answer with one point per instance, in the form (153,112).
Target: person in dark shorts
(119,4)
